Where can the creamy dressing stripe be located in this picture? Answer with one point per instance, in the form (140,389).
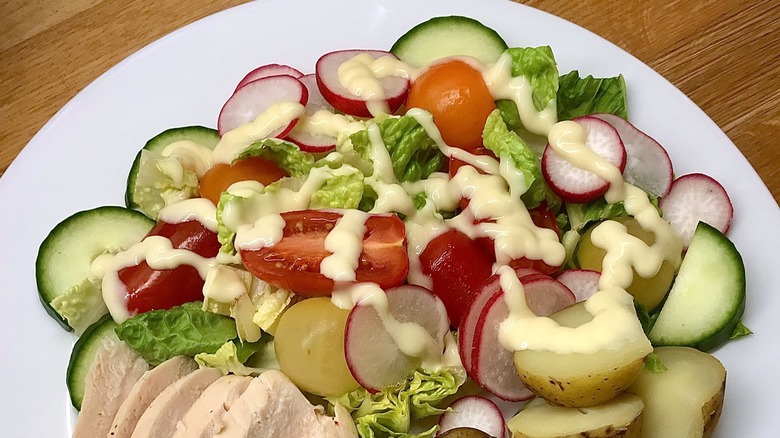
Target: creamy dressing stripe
(345,243)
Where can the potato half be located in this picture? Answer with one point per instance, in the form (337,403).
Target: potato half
(619,417)
(686,399)
(580,379)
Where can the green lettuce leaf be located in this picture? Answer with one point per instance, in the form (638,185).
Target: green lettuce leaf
(81,305)
(654,364)
(538,65)
(225,236)
(413,154)
(287,155)
(340,191)
(740,331)
(583,96)
(509,114)
(389,413)
(508,145)
(227,360)
(183,330)
(162,181)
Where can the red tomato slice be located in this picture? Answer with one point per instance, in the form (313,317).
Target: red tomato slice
(150,289)
(294,262)
(458,267)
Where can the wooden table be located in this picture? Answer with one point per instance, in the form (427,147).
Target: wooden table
(724,54)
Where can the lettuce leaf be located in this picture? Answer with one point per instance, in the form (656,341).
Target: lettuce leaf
(82,304)
(583,96)
(162,181)
(508,145)
(340,191)
(287,155)
(413,154)
(227,360)
(389,413)
(538,65)
(740,331)
(653,363)
(184,330)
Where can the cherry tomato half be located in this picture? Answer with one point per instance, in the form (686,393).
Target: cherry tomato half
(151,289)
(221,176)
(458,267)
(294,262)
(455,93)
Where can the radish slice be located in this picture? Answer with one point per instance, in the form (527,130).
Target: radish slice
(396,88)
(474,412)
(582,282)
(468,321)
(307,141)
(267,70)
(254,98)
(693,198)
(576,185)
(372,356)
(648,165)
(493,366)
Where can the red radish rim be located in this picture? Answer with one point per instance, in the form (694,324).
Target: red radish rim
(449,419)
(577,185)
(308,142)
(578,282)
(245,102)
(396,88)
(697,197)
(648,165)
(268,70)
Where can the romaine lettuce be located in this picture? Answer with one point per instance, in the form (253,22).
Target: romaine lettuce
(227,360)
(285,154)
(389,413)
(162,181)
(508,145)
(537,65)
(340,191)
(583,96)
(413,154)
(183,330)
(81,305)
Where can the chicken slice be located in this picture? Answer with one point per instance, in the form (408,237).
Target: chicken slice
(162,415)
(145,390)
(204,419)
(114,370)
(272,406)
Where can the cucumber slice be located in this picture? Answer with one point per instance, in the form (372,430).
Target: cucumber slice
(199,134)
(708,297)
(82,355)
(441,37)
(65,256)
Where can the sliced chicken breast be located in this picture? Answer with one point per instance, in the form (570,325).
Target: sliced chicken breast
(272,406)
(145,390)
(204,419)
(115,369)
(169,407)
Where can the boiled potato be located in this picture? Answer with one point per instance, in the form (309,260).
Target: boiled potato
(619,417)
(580,379)
(686,399)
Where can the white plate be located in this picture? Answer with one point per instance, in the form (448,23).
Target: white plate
(80,159)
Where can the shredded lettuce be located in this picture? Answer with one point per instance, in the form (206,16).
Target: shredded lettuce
(81,305)
(413,154)
(389,413)
(162,181)
(507,145)
(184,330)
(537,65)
(285,154)
(583,96)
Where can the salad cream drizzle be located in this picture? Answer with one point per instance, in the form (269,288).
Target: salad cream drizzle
(195,209)
(192,156)
(345,243)
(359,78)
(224,284)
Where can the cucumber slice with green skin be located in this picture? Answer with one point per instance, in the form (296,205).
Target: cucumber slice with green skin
(82,355)
(199,134)
(441,37)
(65,256)
(708,297)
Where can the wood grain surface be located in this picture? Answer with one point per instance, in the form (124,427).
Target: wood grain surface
(724,54)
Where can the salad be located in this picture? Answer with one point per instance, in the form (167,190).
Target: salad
(388,246)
